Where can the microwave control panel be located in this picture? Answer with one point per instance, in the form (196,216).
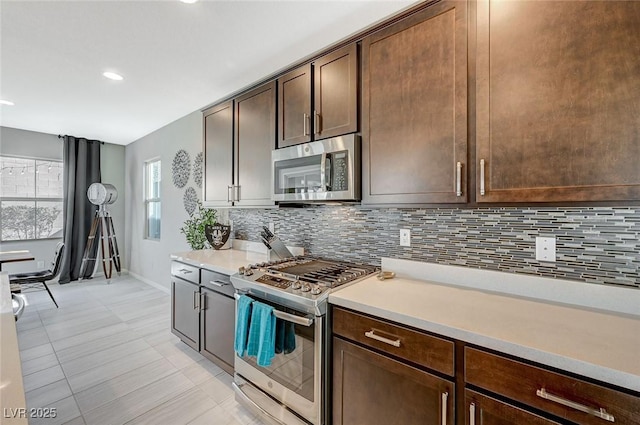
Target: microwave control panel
(339,171)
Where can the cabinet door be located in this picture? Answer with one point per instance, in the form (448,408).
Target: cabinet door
(335,94)
(217,328)
(218,155)
(482,410)
(185,319)
(557,113)
(294,107)
(255,138)
(372,389)
(414,108)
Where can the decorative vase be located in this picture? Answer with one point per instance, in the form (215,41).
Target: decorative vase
(219,236)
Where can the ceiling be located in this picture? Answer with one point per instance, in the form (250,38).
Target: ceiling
(176,58)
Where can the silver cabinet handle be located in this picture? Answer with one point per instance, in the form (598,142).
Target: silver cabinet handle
(185,271)
(599,413)
(229,195)
(316,122)
(236,192)
(196,300)
(472,414)
(203,302)
(304,124)
(445,396)
(482,177)
(459,179)
(371,334)
(218,283)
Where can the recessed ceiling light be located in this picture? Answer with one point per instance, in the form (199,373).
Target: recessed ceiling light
(188,1)
(113,76)
(6,102)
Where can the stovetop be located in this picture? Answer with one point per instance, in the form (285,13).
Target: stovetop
(301,282)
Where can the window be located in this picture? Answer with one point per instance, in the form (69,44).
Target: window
(153,178)
(31,199)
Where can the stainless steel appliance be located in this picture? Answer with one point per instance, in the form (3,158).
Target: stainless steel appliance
(292,390)
(325,170)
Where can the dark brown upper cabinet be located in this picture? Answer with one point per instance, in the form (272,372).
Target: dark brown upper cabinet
(218,155)
(294,107)
(333,95)
(414,109)
(558,89)
(238,136)
(255,138)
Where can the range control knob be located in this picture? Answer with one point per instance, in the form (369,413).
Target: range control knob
(306,287)
(315,290)
(296,284)
(241,271)
(248,272)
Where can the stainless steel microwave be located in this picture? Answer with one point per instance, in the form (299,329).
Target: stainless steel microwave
(325,170)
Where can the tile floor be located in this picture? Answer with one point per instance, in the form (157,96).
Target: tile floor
(107,356)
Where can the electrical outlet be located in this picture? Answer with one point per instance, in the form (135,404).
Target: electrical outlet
(272,227)
(405,237)
(546,248)
(41,264)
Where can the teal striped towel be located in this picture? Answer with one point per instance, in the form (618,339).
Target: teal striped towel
(242,324)
(262,334)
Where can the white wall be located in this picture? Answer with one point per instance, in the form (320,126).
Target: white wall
(149,259)
(31,144)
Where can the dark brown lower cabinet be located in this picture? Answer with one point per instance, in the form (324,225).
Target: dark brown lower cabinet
(373,389)
(217,329)
(185,318)
(483,410)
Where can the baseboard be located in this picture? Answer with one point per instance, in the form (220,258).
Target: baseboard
(150,282)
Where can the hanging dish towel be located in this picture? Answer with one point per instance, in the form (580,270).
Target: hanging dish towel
(242,324)
(262,334)
(285,336)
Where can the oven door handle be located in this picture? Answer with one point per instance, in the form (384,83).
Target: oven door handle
(304,321)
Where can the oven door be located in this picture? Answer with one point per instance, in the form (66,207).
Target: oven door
(294,376)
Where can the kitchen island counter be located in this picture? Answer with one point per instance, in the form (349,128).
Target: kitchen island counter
(595,343)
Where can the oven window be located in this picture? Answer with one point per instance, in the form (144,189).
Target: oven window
(299,175)
(295,369)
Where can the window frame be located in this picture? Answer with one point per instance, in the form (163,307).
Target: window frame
(35,199)
(148,201)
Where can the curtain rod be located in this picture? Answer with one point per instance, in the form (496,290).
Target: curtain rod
(99,141)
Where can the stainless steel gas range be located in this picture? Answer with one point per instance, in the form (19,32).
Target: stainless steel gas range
(293,390)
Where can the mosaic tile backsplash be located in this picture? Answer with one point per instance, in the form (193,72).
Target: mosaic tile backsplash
(594,244)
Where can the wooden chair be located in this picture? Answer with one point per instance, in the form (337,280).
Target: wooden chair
(36,280)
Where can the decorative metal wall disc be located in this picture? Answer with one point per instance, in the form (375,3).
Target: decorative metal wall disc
(190,200)
(181,168)
(197,169)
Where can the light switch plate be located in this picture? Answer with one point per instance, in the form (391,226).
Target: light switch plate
(546,248)
(405,237)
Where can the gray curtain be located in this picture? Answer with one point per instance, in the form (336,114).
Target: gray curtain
(81,169)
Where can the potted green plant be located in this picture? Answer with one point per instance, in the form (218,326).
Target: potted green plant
(195,227)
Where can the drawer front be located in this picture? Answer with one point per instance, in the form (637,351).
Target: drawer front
(185,271)
(217,282)
(551,392)
(426,350)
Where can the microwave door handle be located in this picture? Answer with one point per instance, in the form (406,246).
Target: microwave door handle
(323,174)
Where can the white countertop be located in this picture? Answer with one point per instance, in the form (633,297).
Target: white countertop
(11,385)
(594,343)
(226,261)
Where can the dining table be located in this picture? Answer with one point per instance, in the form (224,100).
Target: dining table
(14,256)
